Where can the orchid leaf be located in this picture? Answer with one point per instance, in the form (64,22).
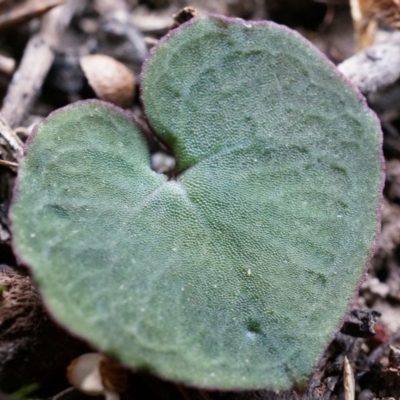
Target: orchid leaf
(235,271)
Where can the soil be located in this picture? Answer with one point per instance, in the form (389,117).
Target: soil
(40,71)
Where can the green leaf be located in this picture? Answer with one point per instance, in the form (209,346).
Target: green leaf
(236,273)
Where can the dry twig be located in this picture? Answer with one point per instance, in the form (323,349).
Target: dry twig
(38,57)
(24,11)
(376,67)
(27,82)
(348,380)
(10,143)
(366,15)
(8,164)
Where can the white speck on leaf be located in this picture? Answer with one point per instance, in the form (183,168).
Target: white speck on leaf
(251,335)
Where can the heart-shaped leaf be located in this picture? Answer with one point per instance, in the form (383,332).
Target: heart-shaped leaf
(237,272)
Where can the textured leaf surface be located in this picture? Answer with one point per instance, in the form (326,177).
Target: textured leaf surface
(236,273)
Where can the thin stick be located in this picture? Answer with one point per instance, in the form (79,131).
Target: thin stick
(24,11)
(375,67)
(348,380)
(8,164)
(38,57)
(27,82)
(11,141)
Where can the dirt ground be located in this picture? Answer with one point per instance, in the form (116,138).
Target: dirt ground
(40,71)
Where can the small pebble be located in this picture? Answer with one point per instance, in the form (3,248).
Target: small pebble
(365,394)
(111,80)
(162,163)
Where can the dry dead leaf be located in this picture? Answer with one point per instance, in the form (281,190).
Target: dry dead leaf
(368,13)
